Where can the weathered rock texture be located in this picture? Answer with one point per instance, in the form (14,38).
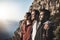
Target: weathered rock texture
(52,5)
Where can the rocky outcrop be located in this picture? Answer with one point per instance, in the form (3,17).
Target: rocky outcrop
(52,5)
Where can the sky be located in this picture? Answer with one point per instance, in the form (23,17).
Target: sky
(14,9)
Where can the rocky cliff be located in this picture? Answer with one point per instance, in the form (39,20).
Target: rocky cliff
(52,5)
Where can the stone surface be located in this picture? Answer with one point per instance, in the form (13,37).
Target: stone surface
(52,5)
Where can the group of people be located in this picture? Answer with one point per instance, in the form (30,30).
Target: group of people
(36,26)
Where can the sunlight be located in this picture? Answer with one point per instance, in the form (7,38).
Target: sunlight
(9,10)
(3,11)
(3,15)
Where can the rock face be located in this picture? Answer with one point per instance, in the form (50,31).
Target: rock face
(52,5)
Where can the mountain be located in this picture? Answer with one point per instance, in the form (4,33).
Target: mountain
(7,28)
(4,35)
(12,26)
